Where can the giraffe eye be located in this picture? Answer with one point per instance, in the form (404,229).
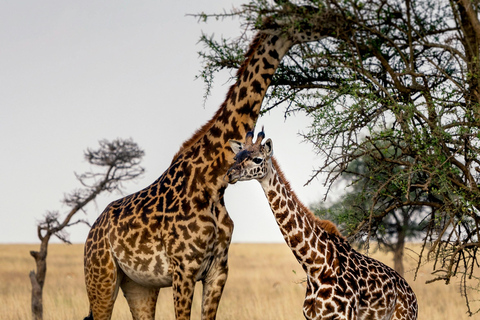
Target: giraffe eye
(257,160)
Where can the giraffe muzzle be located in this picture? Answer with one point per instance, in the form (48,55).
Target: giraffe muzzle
(233,175)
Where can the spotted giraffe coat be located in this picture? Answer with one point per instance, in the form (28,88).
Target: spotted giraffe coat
(341,282)
(177,230)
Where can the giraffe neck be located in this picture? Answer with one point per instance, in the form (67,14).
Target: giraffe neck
(242,105)
(238,114)
(300,228)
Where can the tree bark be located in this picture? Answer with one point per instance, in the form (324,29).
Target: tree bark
(37,297)
(37,279)
(398,253)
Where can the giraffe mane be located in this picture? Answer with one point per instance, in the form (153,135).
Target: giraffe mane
(202,130)
(326,225)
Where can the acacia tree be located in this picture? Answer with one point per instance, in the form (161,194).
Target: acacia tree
(392,75)
(120,162)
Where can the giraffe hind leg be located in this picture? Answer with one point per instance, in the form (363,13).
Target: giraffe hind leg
(101,303)
(141,300)
(102,281)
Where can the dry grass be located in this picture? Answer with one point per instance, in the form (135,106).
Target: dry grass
(264,283)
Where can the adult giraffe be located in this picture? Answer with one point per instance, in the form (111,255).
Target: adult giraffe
(341,283)
(177,230)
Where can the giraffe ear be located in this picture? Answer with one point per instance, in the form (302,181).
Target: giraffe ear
(268,147)
(236,146)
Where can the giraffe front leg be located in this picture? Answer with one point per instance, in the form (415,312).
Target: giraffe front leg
(213,288)
(217,274)
(183,285)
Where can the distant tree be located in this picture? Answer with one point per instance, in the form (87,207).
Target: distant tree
(120,162)
(354,207)
(389,74)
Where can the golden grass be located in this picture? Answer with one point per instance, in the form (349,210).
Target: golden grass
(264,283)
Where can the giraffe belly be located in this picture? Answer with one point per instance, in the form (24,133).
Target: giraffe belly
(156,270)
(148,270)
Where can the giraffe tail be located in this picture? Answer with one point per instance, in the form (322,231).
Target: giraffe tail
(89,317)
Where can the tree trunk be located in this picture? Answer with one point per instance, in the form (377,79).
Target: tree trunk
(37,297)
(37,279)
(398,252)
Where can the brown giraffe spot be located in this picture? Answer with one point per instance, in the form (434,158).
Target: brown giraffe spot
(328,309)
(327,277)
(271,195)
(257,87)
(325,293)
(242,94)
(296,239)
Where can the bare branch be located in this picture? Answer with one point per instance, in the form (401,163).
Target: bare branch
(120,160)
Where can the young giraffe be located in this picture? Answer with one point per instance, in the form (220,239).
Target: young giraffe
(177,230)
(341,283)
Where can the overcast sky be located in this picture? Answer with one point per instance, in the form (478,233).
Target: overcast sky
(75,72)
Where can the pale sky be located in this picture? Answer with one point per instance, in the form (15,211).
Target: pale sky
(76,72)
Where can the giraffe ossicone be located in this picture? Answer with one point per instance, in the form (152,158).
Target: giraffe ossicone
(341,282)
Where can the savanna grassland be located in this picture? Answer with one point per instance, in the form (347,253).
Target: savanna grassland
(265,282)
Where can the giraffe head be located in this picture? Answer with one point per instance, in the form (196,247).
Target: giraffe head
(252,159)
